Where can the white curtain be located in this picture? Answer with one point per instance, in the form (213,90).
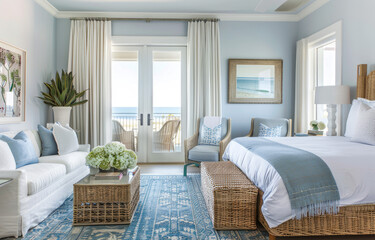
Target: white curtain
(204,91)
(90,62)
(304,105)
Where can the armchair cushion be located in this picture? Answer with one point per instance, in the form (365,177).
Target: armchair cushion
(265,131)
(204,153)
(271,123)
(212,130)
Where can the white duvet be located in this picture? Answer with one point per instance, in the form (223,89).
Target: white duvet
(352,165)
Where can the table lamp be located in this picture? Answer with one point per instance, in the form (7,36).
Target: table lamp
(332,96)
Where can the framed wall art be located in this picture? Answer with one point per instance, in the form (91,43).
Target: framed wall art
(255,81)
(12,84)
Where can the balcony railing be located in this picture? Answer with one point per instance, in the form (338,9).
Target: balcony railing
(130,122)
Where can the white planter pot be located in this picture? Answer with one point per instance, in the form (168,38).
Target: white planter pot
(62,114)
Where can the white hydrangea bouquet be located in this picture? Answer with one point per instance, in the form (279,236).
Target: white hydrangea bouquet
(112,155)
(317,125)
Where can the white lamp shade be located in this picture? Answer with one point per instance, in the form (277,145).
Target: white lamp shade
(332,95)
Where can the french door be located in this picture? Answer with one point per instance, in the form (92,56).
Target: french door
(149,101)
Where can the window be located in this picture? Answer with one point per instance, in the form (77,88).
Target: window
(325,56)
(324,67)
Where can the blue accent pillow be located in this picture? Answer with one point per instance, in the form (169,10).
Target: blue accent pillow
(210,136)
(265,131)
(22,149)
(49,146)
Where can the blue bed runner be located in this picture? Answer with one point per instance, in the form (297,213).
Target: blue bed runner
(308,180)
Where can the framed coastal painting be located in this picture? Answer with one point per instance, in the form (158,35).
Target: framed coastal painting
(255,81)
(12,83)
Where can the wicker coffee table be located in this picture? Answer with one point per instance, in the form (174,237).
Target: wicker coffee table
(102,202)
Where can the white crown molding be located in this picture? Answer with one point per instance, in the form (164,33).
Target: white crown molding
(48,7)
(222,16)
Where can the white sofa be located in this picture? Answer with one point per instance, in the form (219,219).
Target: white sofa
(38,189)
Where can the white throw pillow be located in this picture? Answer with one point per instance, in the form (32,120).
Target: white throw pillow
(358,107)
(367,102)
(364,130)
(66,139)
(7,161)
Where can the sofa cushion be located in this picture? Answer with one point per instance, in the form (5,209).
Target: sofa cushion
(33,136)
(72,161)
(204,153)
(41,175)
(49,146)
(22,149)
(66,139)
(7,161)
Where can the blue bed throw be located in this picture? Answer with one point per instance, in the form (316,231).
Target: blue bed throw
(308,180)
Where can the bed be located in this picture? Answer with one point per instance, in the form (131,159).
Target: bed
(357,193)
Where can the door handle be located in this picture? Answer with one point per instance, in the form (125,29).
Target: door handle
(141,119)
(149,119)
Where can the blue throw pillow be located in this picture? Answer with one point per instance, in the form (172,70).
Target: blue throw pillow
(210,136)
(22,149)
(49,146)
(265,131)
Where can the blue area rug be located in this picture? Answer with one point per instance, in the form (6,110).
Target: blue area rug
(170,207)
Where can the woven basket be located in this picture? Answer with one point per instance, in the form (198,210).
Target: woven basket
(230,196)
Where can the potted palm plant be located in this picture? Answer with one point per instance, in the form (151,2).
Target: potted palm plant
(62,96)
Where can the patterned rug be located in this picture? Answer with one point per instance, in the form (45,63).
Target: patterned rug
(170,207)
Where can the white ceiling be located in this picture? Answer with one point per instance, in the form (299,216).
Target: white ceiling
(170,6)
(225,10)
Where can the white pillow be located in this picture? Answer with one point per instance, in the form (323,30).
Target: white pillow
(367,102)
(7,161)
(364,130)
(355,112)
(66,139)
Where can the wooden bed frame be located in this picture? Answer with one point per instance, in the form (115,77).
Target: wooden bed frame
(351,220)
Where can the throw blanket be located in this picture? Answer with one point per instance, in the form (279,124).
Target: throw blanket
(309,182)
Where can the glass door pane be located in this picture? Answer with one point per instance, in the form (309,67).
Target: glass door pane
(125,79)
(166,108)
(326,74)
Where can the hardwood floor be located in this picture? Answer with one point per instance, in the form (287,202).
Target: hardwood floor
(166,169)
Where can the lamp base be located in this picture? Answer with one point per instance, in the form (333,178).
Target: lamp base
(332,109)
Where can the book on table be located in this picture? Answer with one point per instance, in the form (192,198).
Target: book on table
(115,175)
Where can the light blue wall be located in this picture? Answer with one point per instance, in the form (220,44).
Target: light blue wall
(24,24)
(62,43)
(358,22)
(258,40)
(252,40)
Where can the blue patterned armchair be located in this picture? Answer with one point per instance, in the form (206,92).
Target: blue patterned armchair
(285,124)
(209,141)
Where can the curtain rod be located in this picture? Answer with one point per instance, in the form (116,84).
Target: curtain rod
(149,19)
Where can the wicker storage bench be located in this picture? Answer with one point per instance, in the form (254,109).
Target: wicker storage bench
(231,198)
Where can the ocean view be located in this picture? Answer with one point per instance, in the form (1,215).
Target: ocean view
(121,111)
(255,87)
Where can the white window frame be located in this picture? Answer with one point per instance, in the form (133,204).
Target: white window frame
(321,38)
